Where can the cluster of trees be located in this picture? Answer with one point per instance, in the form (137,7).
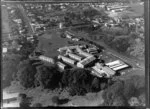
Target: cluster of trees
(121,39)
(82,15)
(9,69)
(124,92)
(79,81)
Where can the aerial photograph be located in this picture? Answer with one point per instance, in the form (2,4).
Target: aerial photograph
(73,54)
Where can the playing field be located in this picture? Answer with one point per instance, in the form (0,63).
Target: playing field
(50,42)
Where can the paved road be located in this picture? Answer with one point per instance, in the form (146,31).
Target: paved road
(27,20)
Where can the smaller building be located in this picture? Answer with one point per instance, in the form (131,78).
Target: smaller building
(47,59)
(92,50)
(69,34)
(108,71)
(74,56)
(81,52)
(61,65)
(5,50)
(66,59)
(85,62)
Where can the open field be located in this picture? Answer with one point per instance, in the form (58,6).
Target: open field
(50,42)
(135,10)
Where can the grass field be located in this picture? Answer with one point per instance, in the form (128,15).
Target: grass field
(50,42)
(135,10)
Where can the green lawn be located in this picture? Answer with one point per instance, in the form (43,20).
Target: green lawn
(135,10)
(50,42)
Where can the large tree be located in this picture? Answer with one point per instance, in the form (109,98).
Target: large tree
(26,73)
(47,77)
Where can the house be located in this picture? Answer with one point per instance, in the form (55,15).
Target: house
(85,62)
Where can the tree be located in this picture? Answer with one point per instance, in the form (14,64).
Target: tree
(113,92)
(26,73)
(24,103)
(96,84)
(142,99)
(129,89)
(55,100)
(119,101)
(134,101)
(137,49)
(48,77)
(78,80)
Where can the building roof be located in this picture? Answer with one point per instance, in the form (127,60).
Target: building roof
(84,53)
(106,69)
(61,64)
(75,56)
(87,60)
(66,58)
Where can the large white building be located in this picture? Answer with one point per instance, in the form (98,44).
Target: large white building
(83,63)
(100,70)
(117,65)
(47,59)
(66,59)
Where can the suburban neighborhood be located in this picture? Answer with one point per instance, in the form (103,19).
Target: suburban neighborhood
(73,54)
